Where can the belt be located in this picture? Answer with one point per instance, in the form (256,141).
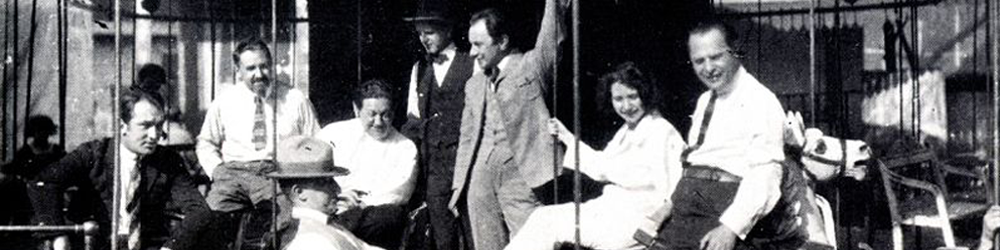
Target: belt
(709,173)
(257,167)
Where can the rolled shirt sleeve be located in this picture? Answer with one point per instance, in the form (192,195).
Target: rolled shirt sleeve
(760,188)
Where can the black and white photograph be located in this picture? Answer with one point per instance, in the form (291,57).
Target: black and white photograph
(499,124)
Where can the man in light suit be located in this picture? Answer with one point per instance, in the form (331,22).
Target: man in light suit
(504,150)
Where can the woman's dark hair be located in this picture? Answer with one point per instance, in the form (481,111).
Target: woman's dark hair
(628,74)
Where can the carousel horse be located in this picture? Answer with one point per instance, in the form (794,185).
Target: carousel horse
(822,158)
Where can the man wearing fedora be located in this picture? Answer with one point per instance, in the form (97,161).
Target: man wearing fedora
(306,176)
(434,113)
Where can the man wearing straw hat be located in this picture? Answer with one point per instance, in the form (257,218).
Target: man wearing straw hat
(306,176)
(434,112)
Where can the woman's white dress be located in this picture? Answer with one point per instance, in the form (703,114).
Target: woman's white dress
(643,166)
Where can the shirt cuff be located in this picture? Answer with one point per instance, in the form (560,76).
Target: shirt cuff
(738,222)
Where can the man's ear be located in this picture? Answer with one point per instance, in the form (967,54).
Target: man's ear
(122,127)
(296,192)
(503,42)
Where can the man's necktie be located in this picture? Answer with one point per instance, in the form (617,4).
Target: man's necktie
(493,73)
(132,205)
(706,119)
(436,58)
(259,127)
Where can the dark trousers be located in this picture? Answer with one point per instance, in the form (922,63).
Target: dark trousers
(380,225)
(439,162)
(698,204)
(445,227)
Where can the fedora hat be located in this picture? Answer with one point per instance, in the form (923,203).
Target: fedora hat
(306,157)
(431,10)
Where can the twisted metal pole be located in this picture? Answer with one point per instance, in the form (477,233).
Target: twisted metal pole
(993,12)
(274,121)
(63,51)
(577,196)
(31,66)
(812,62)
(116,127)
(993,38)
(5,69)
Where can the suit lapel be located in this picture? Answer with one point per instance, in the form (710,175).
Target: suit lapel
(107,162)
(149,172)
(458,69)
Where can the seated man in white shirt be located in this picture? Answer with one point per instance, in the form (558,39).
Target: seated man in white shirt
(732,173)
(306,175)
(382,163)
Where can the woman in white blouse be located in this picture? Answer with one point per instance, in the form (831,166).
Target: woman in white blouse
(641,164)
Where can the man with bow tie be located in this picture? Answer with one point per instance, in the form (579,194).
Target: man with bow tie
(505,151)
(434,112)
(151,179)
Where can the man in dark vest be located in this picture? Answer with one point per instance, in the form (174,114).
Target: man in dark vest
(434,113)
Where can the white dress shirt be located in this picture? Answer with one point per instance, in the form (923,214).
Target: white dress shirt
(315,234)
(644,160)
(744,137)
(385,170)
(127,162)
(227,134)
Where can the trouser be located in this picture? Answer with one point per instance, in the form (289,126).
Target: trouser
(499,202)
(244,186)
(445,227)
(698,204)
(439,163)
(380,225)
(239,185)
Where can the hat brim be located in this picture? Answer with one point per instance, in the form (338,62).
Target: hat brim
(337,171)
(426,19)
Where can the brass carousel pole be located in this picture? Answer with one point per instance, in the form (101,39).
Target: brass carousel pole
(116,126)
(577,196)
(274,120)
(812,62)
(993,12)
(6,68)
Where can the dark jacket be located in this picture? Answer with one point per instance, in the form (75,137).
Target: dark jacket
(165,184)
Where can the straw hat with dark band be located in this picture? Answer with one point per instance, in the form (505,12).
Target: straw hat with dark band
(302,157)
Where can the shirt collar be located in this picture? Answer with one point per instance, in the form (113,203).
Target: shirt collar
(503,63)
(449,52)
(126,154)
(309,214)
(271,91)
(738,78)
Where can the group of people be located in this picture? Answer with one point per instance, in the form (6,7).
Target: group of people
(478,138)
